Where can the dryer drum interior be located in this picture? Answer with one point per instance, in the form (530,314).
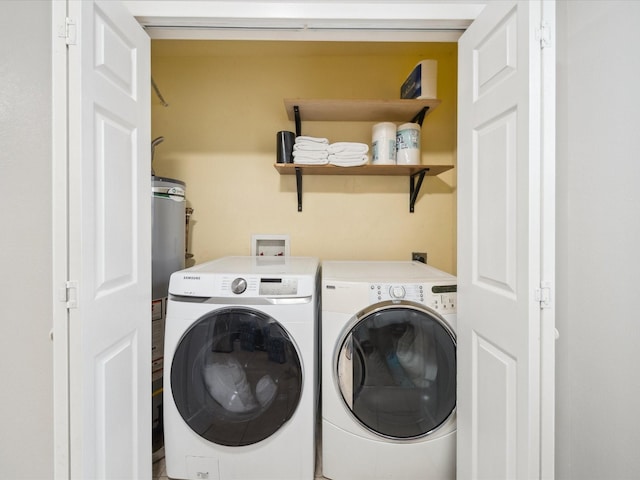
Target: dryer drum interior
(396,371)
(236,376)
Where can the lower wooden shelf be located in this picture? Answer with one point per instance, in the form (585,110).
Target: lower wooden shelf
(388,170)
(416,174)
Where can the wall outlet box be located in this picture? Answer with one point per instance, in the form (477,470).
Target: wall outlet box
(419,257)
(270,245)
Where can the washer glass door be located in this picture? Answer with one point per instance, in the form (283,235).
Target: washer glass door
(236,376)
(396,370)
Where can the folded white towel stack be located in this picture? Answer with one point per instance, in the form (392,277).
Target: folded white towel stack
(348,161)
(305,139)
(310,147)
(310,150)
(348,148)
(348,154)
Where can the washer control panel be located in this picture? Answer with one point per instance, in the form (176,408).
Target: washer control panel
(259,286)
(278,286)
(442,298)
(239,285)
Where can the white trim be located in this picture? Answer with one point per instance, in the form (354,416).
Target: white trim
(274,20)
(59,205)
(342,35)
(360,10)
(548,242)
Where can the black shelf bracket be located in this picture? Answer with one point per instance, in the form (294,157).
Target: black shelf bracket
(419,118)
(296,113)
(299,187)
(415,179)
(415,183)
(414,188)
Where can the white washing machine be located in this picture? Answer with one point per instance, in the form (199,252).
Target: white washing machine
(240,379)
(388,371)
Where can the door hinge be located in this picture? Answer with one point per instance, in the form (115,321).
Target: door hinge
(69,294)
(543,35)
(543,295)
(69,31)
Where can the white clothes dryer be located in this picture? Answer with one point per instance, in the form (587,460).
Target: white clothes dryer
(240,380)
(388,371)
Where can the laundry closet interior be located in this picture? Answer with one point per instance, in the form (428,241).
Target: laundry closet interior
(218,104)
(225,102)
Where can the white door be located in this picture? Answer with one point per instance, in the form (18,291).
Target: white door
(109,243)
(505,245)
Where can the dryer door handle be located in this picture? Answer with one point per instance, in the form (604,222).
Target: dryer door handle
(345,371)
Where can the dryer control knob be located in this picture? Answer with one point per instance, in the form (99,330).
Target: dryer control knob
(396,292)
(238,286)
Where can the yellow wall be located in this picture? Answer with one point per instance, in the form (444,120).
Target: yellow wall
(225,107)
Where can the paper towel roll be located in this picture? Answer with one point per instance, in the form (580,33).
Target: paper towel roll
(422,82)
(383,144)
(408,144)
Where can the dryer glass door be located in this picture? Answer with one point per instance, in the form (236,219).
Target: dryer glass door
(396,370)
(236,376)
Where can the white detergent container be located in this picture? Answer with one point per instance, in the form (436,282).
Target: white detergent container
(383,144)
(408,144)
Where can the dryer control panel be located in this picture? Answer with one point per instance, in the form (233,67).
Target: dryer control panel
(397,291)
(441,298)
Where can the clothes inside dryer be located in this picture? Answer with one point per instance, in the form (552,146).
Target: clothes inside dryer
(236,377)
(397,371)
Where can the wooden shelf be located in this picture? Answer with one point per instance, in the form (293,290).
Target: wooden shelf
(416,174)
(354,110)
(387,170)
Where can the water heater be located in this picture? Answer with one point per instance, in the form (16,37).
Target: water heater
(167,256)
(168,235)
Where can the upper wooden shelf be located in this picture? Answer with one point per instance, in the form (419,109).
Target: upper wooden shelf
(354,110)
(388,170)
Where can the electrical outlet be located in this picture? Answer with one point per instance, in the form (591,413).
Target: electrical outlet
(419,256)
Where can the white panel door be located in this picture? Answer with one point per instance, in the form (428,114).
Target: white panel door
(109,243)
(505,242)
